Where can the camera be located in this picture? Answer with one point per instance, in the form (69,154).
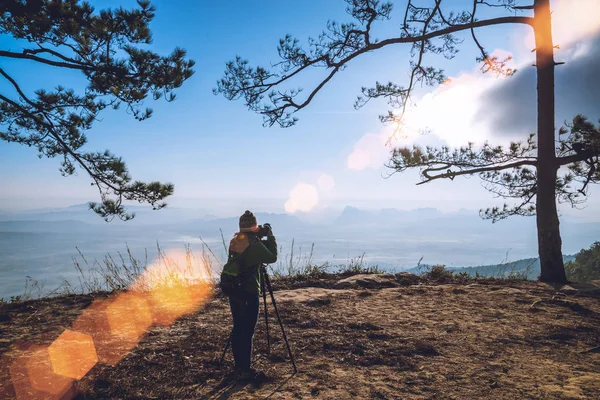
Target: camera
(264,230)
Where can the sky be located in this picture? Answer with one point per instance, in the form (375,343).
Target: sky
(220,157)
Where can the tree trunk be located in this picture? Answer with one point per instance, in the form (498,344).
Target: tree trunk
(549,241)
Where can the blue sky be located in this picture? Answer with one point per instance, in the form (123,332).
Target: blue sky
(217,152)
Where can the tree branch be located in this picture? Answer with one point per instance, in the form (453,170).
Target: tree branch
(18,89)
(252,84)
(54,53)
(452,174)
(572,159)
(416,68)
(11,54)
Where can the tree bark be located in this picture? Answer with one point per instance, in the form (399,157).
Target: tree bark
(549,241)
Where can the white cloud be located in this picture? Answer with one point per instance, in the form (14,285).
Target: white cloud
(449,111)
(303,197)
(326,183)
(370,151)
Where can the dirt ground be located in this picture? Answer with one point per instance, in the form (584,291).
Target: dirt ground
(384,340)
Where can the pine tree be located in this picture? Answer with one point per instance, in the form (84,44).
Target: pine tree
(105,47)
(526,171)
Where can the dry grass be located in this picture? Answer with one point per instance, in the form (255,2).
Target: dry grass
(127,272)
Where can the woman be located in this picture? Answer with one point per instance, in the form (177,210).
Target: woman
(248,251)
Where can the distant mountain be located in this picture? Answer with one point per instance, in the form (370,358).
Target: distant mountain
(354,216)
(527,266)
(386,216)
(211,227)
(44,226)
(144,215)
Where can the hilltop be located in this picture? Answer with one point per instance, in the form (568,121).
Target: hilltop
(363,336)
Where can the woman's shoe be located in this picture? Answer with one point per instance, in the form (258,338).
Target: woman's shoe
(251,375)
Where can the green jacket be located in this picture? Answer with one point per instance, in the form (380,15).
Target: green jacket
(246,256)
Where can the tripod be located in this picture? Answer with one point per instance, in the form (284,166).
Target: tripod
(265,283)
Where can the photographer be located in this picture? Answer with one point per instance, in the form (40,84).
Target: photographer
(247,252)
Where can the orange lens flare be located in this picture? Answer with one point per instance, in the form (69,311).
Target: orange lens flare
(176,285)
(170,302)
(110,328)
(33,378)
(200,293)
(73,354)
(129,316)
(94,321)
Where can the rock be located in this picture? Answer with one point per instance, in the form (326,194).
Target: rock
(568,290)
(346,283)
(574,306)
(368,281)
(581,289)
(311,296)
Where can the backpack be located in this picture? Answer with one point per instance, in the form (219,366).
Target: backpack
(231,282)
(232,277)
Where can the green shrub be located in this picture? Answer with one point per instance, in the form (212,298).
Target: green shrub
(586,266)
(438,273)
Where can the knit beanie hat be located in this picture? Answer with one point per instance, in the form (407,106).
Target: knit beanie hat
(248,222)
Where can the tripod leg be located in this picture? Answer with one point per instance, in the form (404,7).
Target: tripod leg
(264,293)
(226,348)
(268,283)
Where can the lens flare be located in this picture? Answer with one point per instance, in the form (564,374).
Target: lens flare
(326,183)
(33,378)
(303,197)
(93,321)
(106,331)
(73,354)
(129,316)
(170,302)
(175,285)
(200,293)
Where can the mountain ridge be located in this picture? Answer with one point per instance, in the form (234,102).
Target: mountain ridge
(525,267)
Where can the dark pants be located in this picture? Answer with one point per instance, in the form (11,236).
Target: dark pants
(244,309)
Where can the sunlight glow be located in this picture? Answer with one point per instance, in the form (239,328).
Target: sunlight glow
(450,111)
(445,116)
(448,114)
(172,290)
(572,20)
(303,197)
